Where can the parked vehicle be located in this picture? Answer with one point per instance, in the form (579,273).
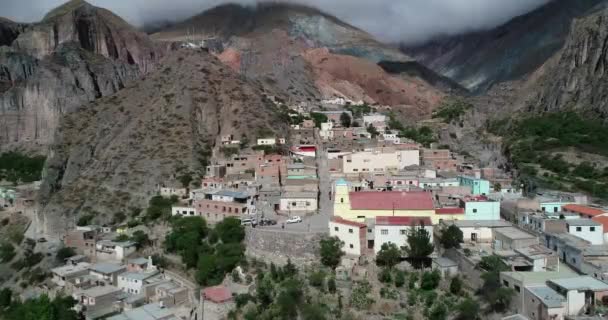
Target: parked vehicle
(267,222)
(248,222)
(294,219)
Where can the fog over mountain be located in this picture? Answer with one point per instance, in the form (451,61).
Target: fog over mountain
(389,20)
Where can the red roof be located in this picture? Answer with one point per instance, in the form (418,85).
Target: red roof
(348,222)
(403,221)
(603,220)
(583,209)
(391,200)
(217,294)
(449,211)
(475,198)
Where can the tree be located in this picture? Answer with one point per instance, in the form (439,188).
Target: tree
(331,285)
(360,298)
(385,275)
(318,118)
(372,130)
(230,230)
(399,279)
(185,179)
(430,280)
(140,238)
(388,256)
(497,187)
(7,252)
(456,285)
(345,120)
(419,245)
(5,297)
(331,252)
(317,279)
(468,309)
(119,217)
(439,312)
(65,253)
(500,299)
(451,237)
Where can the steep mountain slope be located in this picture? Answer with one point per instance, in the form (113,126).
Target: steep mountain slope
(113,153)
(76,54)
(279,44)
(576,78)
(9,31)
(480,59)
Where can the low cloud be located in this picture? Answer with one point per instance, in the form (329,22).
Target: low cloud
(388,20)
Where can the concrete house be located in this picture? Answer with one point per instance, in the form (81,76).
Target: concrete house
(298,202)
(478,186)
(97,301)
(267,142)
(114,250)
(477,230)
(69,272)
(586,229)
(580,292)
(183,211)
(584,211)
(541,302)
(480,208)
(353,234)
(107,271)
(511,238)
(389,229)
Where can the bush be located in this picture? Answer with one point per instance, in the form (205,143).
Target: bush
(7,252)
(452,109)
(399,279)
(360,298)
(331,285)
(330,250)
(430,280)
(65,253)
(456,286)
(17,167)
(317,279)
(85,220)
(385,276)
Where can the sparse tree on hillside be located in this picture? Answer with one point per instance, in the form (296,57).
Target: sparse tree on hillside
(331,251)
(388,256)
(419,245)
(345,119)
(372,130)
(451,237)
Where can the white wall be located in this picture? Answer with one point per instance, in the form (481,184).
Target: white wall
(129,285)
(267,142)
(167,192)
(409,158)
(595,237)
(349,235)
(394,234)
(186,211)
(302,205)
(484,234)
(576,302)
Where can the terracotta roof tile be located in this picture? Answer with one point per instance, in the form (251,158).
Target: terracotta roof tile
(580,209)
(348,222)
(403,221)
(391,200)
(603,220)
(217,294)
(449,211)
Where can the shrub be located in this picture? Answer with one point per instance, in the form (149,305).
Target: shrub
(65,253)
(317,279)
(456,286)
(331,285)
(385,275)
(7,252)
(430,280)
(399,278)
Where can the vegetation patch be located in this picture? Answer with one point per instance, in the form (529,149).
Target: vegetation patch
(19,168)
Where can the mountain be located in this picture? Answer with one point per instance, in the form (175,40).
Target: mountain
(509,52)
(302,54)
(115,151)
(76,54)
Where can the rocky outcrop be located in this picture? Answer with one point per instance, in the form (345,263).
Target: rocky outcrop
(481,59)
(76,54)
(111,154)
(577,77)
(9,31)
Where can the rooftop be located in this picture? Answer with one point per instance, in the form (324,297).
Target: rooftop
(516,317)
(582,222)
(547,296)
(138,275)
(217,294)
(445,262)
(453,210)
(586,283)
(603,220)
(529,278)
(479,223)
(68,269)
(152,311)
(403,221)
(583,209)
(299,195)
(535,251)
(514,233)
(233,194)
(138,261)
(391,201)
(340,220)
(106,268)
(99,291)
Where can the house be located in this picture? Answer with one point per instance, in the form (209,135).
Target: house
(541,302)
(70,271)
(215,171)
(183,211)
(437,183)
(303,151)
(301,171)
(216,301)
(172,191)
(167,292)
(477,230)
(446,267)
(353,234)
(584,211)
(138,264)
(480,208)
(107,271)
(478,186)
(357,206)
(379,160)
(298,202)
(511,238)
(114,250)
(334,116)
(603,220)
(214,206)
(152,311)
(539,257)
(266,142)
(394,229)
(581,292)
(376,119)
(439,159)
(96,302)
(82,241)
(586,229)
(134,282)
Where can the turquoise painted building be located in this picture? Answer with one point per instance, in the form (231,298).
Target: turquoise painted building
(478,186)
(481,210)
(551,205)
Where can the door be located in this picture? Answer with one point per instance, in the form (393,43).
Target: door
(474,237)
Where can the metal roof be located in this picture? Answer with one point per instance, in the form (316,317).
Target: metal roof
(582,222)
(586,283)
(151,311)
(106,267)
(547,296)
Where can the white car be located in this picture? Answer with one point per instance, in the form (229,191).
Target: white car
(294,219)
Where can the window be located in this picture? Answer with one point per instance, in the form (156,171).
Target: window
(474,210)
(505,283)
(543,208)
(308,203)
(349,161)
(351,246)
(293,204)
(356,170)
(384,231)
(369,230)
(517,288)
(336,229)
(554,209)
(341,200)
(578,229)
(350,230)
(591,228)
(403,231)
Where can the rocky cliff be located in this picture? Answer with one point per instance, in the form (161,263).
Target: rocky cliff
(575,78)
(112,153)
(76,54)
(509,52)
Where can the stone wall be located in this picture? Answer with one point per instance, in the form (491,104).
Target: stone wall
(466,268)
(277,246)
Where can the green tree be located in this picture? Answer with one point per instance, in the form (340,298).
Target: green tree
(456,286)
(331,253)
(372,130)
(65,253)
(208,273)
(468,309)
(345,120)
(317,279)
(451,237)
(419,245)
(314,312)
(439,312)
(6,296)
(500,299)
(230,230)
(7,252)
(385,275)
(140,238)
(430,280)
(318,118)
(388,256)
(331,285)
(119,217)
(497,187)
(399,279)
(360,298)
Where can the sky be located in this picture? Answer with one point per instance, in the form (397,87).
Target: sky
(406,21)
